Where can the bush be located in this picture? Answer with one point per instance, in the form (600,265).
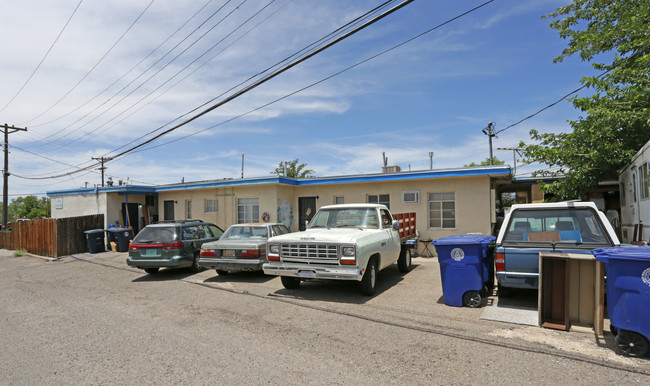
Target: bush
(20,252)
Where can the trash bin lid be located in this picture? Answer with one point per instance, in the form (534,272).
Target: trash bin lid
(634,252)
(94,231)
(464,239)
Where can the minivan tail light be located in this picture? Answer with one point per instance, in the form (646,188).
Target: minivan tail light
(500,262)
(176,245)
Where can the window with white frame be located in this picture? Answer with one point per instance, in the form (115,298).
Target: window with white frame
(644,188)
(248,210)
(383,199)
(211,206)
(442,210)
(188,209)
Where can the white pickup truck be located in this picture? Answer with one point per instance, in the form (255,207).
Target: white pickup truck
(343,242)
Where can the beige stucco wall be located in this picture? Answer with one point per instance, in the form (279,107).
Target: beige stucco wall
(472,196)
(79,205)
(226,197)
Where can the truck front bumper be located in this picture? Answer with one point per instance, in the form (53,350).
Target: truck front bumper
(313,272)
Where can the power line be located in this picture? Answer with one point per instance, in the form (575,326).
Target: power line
(552,104)
(95,66)
(324,79)
(80,169)
(124,75)
(145,81)
(43,59)
(115,157)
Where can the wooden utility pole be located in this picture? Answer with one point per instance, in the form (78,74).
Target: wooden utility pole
(5,173)
(102,168)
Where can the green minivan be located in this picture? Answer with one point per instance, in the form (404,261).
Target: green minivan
(175,244)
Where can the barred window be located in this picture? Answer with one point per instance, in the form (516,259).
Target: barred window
(211,206)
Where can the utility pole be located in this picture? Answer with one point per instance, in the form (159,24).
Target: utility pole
(5,173)
(102,168)
(489,131)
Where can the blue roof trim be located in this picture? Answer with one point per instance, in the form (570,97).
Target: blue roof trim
(122,189)
(400,176)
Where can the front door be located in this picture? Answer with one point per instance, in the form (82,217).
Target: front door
(306,209)
(168,210)
(130,216)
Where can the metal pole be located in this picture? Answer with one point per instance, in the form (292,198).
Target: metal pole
(5,179)
(5,173)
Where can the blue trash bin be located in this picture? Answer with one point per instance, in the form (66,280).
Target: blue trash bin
(465,268)
(628,296)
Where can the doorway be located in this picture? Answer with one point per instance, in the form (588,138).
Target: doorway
(306,210)
(168,209)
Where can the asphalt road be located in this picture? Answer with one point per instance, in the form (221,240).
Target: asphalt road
(91,319)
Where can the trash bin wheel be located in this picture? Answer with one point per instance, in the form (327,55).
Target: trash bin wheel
(290,282)
(151,271)
(612,329)
(631,344)
(472,299)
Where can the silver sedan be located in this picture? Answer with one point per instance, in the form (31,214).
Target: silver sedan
(241,248)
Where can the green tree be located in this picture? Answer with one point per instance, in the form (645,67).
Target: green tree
(28,207)
(615,37)
(495,161)
(293,169)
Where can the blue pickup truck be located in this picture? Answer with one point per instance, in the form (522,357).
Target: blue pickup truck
(563,227)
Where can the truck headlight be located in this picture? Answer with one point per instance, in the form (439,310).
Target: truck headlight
(348,251)
(274,248)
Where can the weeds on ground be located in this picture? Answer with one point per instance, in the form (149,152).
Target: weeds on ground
(20,252)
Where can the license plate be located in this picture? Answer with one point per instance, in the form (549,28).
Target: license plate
(150,252)
(306,274)
(228,253)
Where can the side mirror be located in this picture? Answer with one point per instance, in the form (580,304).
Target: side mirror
(396,225)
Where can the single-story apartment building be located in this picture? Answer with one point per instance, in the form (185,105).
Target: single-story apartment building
(446,201)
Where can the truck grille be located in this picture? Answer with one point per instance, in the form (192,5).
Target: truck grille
(305,251)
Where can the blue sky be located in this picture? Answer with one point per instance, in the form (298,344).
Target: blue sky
(435,93)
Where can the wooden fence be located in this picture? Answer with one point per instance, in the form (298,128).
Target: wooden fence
(51,237)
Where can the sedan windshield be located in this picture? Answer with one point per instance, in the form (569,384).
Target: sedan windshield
(238,232)
(345,217)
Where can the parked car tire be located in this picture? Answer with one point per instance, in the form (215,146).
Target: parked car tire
(369,280)
(222,272)
(630,343)
(404,261)
(151,271)
(290,282)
